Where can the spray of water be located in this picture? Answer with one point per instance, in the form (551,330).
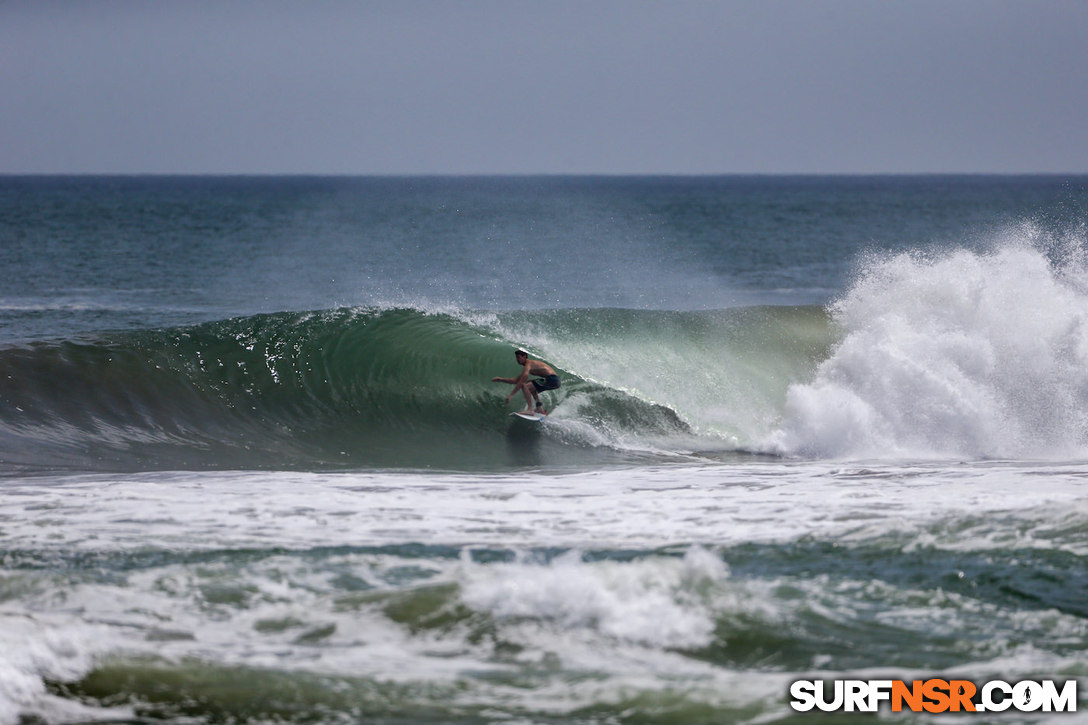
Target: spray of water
(970,354)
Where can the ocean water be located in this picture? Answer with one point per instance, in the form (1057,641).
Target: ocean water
(253,469)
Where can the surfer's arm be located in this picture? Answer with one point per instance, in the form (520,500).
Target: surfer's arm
(523,377)
(516,382)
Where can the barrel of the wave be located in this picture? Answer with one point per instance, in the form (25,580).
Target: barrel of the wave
(356,388)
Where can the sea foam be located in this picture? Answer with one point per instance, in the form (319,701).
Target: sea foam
(658,602)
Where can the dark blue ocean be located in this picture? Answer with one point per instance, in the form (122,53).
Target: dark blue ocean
(253,467)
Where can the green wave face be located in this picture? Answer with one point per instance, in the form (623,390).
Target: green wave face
(372,388)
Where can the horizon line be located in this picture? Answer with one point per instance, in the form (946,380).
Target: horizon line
(478,175)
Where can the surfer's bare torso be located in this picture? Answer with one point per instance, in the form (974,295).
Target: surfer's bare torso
(539,368)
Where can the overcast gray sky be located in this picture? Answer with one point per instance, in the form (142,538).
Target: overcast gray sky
(555,86)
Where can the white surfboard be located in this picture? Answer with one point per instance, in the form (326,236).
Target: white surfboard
(535,417)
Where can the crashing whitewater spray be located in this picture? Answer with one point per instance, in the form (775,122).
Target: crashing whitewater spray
(962,354)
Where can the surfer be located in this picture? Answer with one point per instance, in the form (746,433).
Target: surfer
(548,380)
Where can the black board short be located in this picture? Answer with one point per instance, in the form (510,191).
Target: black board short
(549,383)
